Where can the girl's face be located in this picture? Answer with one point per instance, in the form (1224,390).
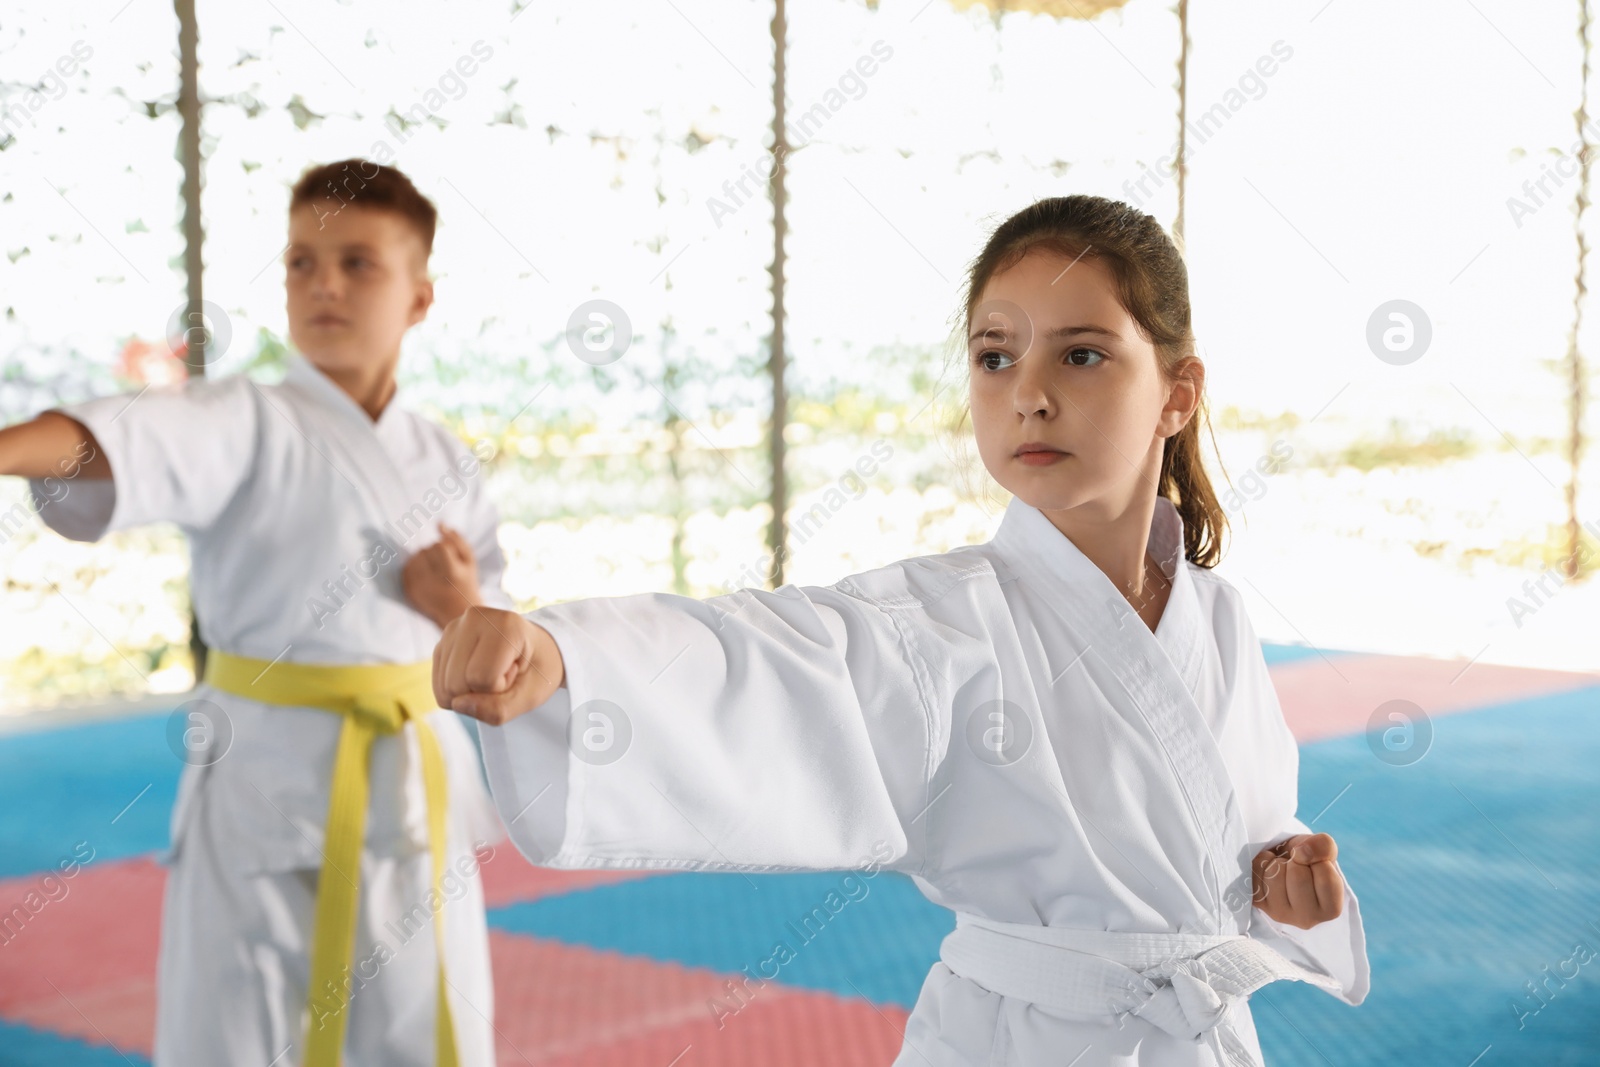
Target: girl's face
(1057,363)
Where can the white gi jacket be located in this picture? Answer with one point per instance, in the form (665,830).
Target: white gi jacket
(286,493)
(1124,786)
(300,512)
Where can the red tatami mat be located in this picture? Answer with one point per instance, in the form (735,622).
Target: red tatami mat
(91,955)
(1337,695)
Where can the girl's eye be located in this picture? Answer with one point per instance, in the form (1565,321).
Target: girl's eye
(985,359)
(298,263)
(356,263)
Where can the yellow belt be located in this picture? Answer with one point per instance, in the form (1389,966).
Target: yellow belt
(373,698)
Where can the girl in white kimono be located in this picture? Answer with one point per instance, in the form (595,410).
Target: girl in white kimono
(1067,735)
(311,508)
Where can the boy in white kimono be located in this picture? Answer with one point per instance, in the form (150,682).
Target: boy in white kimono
(1067,735)
(325,839)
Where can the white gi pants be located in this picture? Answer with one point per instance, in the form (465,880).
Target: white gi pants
(234,962)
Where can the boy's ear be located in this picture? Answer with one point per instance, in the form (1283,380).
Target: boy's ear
(422,300)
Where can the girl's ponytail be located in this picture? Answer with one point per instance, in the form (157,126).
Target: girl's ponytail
(1184,482)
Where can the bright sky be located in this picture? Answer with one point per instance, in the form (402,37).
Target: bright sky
(1373,164)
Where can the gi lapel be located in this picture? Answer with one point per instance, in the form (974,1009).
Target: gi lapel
(358,452)
(1144,667)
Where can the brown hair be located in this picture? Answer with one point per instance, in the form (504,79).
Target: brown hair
(1153,285)
(331,187)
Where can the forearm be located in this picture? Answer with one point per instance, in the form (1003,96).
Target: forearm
(52,445)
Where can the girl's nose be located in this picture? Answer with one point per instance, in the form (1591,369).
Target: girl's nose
(1034,390)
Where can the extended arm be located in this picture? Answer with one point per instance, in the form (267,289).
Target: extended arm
(782,730)
(52,445)
(177,454)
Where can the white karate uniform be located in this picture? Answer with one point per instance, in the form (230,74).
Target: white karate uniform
(1132,779)
(281,489)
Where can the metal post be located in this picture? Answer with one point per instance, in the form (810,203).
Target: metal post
(777,532)
(189,152)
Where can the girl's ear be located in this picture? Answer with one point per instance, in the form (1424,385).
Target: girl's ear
(1183,395)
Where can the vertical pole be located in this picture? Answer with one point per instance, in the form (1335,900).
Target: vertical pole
(1183,117)
(189,153)
(1575,401)
(777,532)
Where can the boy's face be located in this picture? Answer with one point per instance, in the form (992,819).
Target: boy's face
(356,280)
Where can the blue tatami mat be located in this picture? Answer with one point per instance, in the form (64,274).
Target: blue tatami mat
(1477,868)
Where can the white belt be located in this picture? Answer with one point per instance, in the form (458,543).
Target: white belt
(1182,983)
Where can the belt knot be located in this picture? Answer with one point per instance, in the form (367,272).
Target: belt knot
(1182,997)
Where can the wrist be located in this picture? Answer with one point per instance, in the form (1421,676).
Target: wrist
(546,654)
(447,613)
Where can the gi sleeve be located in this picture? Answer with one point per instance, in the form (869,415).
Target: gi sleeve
(759,731)
(1270,799)
(177,454)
